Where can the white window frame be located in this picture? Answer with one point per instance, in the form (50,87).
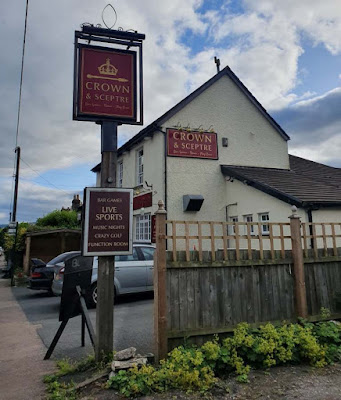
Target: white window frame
(263,218)
(120,174)
(249,218)
(139,167)
(234,218)
(143,228)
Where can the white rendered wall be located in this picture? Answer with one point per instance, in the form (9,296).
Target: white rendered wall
(252,141)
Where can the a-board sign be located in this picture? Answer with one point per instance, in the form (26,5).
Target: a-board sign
(108,219)
(106,83)
(192,144)
(77,272)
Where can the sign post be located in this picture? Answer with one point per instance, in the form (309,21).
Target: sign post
(108,89)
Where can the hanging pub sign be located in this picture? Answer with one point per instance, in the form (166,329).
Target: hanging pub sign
(108,218)
(106,84)
(192,144)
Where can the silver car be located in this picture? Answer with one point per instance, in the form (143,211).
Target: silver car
(133,274)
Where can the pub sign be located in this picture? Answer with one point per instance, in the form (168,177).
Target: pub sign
(192,144)
(108,218)
(105,86)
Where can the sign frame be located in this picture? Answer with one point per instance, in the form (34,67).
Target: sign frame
(85,226)
(187,155)
(116,39)
(79,87)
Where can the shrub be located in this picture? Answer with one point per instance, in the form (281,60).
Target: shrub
(191,368)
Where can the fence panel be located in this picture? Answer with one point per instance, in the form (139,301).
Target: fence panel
(218,274)
(213,299)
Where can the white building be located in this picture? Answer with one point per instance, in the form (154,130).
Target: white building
(253,178)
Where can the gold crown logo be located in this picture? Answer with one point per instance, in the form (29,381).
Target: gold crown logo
(107,68)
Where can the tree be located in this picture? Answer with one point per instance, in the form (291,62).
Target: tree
(59,219)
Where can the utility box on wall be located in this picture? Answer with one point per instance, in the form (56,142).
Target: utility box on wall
(192,202)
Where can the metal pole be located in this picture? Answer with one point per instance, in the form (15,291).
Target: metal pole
(14,212)
(12,260)
(106,265)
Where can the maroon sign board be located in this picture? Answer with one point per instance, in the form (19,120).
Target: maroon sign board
(106,84)
(192,144)
(108,219)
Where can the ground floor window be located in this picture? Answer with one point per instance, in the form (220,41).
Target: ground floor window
(231,230)
(248,218)
(142,228)
(264,217)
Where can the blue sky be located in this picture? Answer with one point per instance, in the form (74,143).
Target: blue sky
(286,53)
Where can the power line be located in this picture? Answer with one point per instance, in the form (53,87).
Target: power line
(50,183)
(21,75)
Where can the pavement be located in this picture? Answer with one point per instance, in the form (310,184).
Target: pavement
(28,323)
(21,352)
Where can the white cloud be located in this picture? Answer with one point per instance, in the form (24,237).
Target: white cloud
(262,46)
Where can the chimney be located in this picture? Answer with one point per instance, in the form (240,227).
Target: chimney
(76,203)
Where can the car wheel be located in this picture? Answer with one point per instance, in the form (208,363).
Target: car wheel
(91,296)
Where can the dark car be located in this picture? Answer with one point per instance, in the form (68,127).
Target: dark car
(42,274)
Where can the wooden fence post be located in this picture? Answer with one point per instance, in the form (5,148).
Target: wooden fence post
(297,255)
(160,288)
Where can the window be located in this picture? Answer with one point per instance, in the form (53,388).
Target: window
(248,218)
(148,253)
(142,232)
(128,257)
(264,217)
(232,230)
(120,174)
(139,167)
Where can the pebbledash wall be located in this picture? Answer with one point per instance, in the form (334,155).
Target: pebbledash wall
(252,141)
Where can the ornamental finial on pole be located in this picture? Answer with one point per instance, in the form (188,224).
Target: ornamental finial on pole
(161,207)
(294,213)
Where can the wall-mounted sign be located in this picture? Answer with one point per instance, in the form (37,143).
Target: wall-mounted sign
(195,144)
(106,86)
(143,200)
(108,218)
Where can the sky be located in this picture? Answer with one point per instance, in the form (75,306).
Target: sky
(287,53)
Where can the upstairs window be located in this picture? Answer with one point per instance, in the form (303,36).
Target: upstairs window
(263,218)
(139,167)
(120,174)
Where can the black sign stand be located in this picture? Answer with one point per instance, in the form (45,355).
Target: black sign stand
(78,300)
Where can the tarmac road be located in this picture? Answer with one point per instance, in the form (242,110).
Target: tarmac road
(133,323)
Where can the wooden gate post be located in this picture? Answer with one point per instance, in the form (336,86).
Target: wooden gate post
(297,255)
(160,289)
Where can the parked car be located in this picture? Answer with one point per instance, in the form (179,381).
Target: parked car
(133,274)
(42,274)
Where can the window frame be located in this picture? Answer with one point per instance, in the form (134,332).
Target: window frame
(233,218)
(139,167)
(263,223)
(245,219)
(120,174)
(140,231)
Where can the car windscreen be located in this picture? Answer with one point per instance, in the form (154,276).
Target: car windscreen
(61,258)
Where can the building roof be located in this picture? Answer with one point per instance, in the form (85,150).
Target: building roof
(306,184)
(156,125)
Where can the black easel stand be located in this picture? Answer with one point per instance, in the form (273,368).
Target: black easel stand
(85,321)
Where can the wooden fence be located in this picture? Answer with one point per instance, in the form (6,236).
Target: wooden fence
(226,273)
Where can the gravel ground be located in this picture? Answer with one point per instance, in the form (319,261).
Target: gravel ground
(282,383)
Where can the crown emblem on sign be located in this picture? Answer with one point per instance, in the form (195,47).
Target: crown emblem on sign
(107,68)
